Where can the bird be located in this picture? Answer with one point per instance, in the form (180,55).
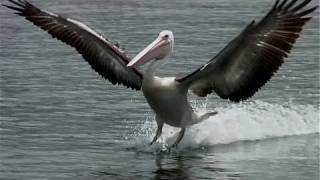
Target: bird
(236,73)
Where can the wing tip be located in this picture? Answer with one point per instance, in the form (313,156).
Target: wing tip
(12,7)
(275,6)
(20,6)
(17,3)
(291,6)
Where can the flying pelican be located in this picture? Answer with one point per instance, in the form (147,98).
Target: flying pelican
(236,73)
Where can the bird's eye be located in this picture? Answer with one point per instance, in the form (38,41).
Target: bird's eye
(166,36)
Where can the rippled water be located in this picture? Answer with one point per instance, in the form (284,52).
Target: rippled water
(60,120)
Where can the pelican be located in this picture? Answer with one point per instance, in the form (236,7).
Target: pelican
(236,73)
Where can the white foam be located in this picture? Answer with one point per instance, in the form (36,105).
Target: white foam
(238,122)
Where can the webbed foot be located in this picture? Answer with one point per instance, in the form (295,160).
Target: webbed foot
(158,134)
(179,138)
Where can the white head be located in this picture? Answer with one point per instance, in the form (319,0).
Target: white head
(158,50)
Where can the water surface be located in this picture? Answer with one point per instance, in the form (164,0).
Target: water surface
(60,120)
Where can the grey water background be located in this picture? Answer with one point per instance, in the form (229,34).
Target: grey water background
(60,120)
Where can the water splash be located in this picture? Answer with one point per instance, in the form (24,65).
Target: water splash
(238,122)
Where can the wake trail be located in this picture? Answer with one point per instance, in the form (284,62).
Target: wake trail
(238,122)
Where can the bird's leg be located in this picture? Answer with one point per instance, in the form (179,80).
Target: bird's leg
(158,133)
(179,138)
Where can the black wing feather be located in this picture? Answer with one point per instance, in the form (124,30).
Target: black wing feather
(251,59)
(105,58)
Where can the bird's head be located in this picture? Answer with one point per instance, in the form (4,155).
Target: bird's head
(158,50)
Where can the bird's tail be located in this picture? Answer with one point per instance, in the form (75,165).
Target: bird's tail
(207,115)
(197,118)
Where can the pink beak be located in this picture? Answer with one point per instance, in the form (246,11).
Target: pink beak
(158,49)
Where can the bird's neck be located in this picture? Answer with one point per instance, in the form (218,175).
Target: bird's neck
(153,67)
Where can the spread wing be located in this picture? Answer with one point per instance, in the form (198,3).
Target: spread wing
(252,58)
(105,58)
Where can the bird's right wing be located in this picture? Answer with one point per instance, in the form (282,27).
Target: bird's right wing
(105,58)
(252,58)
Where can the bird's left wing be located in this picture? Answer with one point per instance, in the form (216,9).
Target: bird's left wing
(105,58)
(251,59)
